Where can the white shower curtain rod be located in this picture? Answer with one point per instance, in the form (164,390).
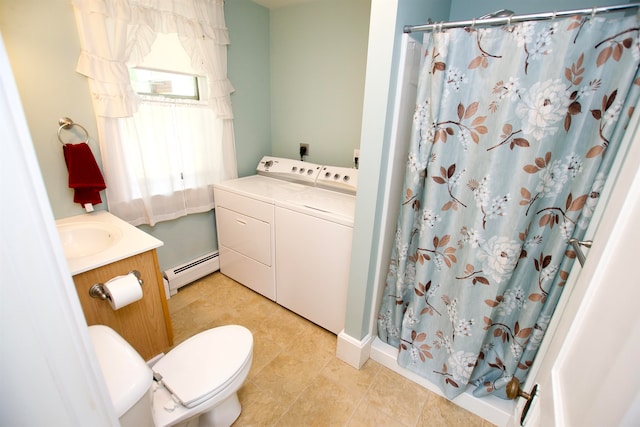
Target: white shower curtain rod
(517,18)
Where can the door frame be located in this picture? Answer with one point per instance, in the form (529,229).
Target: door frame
(46,356)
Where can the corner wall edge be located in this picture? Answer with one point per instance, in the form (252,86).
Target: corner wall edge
(353,351)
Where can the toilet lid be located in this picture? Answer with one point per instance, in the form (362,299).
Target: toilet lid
(197,368)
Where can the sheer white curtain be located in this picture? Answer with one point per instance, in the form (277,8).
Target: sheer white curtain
(161,171)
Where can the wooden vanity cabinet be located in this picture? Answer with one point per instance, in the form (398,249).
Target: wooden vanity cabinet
(146,323)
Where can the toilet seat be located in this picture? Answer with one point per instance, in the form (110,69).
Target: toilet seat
(201,366)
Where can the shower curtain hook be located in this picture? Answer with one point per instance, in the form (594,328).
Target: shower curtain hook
(473,23)
(553,18)
(593,13)
(509,20)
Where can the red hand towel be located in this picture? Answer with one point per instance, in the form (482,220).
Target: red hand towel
(84,174)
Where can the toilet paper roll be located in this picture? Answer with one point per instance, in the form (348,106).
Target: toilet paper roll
(123,290)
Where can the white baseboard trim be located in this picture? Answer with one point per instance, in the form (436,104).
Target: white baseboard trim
(353,351)
(493,409)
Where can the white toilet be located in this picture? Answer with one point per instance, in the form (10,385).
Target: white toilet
(195,384)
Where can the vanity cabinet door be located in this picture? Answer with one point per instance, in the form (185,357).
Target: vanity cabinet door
(145,324)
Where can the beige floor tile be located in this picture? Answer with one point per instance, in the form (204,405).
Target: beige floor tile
(282,326)
(288,374)
(323,403)
(355,381)
(261,407)
(264,352)
(295,378)
(313,343)
(397,396)
(177,303)
(191,319)
(367,415)
(250,319)
(439,411)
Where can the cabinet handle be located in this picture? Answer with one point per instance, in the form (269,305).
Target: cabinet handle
(241,221)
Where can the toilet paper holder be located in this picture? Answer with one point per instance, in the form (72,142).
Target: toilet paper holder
(97,290)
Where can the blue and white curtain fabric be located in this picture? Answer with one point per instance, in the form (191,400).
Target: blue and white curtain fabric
(514,133)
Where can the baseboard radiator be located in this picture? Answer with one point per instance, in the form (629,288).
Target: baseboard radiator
(191,271)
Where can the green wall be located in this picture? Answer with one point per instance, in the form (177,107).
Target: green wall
(318,60)
(249,70)
(329,37)
(43,46)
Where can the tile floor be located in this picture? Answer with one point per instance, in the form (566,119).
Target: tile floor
(296,380)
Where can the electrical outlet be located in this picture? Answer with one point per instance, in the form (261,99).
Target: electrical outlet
(304,150)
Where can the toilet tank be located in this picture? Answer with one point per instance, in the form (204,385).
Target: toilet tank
(126,374)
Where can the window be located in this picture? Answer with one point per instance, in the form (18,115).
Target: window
(162,102)
(165,84)
(174,127)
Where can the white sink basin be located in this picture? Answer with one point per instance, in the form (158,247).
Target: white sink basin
(83,239)
(98,238)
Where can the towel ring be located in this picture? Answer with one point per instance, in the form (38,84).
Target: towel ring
(66,123)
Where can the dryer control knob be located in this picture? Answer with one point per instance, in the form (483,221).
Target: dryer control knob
(293,169)
(346,178)
(336,176)
(327,175)
(309,172)
(301,170)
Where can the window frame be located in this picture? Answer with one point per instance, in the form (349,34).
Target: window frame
(200,87)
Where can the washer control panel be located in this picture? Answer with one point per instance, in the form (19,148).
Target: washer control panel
(329,177)
(338,178)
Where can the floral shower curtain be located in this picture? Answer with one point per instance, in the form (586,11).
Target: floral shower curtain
(514,133)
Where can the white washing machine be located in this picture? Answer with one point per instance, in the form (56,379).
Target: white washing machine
(313,249)
(287,235)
